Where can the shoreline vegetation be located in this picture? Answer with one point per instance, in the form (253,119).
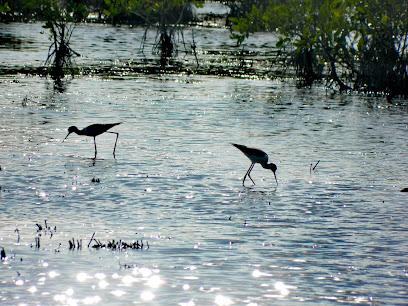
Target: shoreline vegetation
(346,45)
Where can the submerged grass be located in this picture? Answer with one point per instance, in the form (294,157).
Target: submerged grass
(45,231)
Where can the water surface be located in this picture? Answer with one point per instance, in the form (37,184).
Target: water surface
(336,234)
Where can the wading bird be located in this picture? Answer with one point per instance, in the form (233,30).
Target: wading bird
(94,130)
(256,156)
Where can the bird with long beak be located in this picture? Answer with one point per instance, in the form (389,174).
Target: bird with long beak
(256,156)
(94,130)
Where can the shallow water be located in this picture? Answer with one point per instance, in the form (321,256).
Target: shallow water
(336,234)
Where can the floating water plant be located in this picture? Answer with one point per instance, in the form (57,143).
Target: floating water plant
(3,254)
(313,168)
(117,245)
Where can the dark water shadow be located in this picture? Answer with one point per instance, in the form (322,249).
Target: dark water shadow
(11,41)
(257,191)
(86,161)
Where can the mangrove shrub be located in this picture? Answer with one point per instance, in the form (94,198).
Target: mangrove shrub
(60,18)
(354,45)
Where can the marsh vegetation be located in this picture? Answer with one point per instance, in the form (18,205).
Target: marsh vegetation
(347,45)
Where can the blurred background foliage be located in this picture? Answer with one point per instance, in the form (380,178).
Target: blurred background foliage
(346,44)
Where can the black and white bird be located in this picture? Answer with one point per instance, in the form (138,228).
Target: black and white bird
(256,156)
(94,130)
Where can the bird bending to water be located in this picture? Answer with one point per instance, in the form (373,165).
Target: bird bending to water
(256,156)
(94,130)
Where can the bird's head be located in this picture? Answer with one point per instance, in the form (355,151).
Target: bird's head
(273,167)
(71,129)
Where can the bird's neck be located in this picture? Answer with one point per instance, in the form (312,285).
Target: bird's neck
(266,165)
(79,132)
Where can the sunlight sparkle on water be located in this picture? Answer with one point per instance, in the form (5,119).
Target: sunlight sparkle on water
(189,303)
(100,276)
(147,296)
(82,276)
(190,277)
(60,298)
(41,280)
(257,273)
(155,281)
(103,284)
(128,280)
(223,300)
(282,288)
(145,272)
(69,291)
(91,300)
(118,293)
(53,274)
(41,194)
(19,282)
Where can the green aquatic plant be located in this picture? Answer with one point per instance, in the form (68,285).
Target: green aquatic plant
(353,45)
(4,8)
(167,16)
(114,245)
(60,19)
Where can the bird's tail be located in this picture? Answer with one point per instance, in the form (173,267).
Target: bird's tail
(238,146)
(114,124)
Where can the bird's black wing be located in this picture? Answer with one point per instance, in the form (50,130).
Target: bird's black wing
(249,151)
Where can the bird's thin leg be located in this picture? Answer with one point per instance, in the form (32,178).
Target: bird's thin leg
(95,146)
(250,173)
(114,148)
(247,174)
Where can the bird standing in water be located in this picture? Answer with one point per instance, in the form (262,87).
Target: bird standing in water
(256,156)
(94,130)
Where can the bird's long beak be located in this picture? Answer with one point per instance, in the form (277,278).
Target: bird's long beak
(66,137)
(276,179)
